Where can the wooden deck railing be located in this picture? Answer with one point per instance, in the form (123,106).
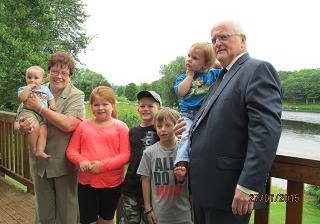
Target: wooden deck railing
(296,171)
(14,156)
(14,162)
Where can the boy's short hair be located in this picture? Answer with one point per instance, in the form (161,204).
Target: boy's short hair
(166,114)
(35,67)
(150,93)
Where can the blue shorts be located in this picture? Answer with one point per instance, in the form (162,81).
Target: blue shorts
(97,202)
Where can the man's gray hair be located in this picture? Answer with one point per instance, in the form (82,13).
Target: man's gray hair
(235,25)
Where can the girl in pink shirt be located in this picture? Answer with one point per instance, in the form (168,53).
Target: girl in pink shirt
(100,148)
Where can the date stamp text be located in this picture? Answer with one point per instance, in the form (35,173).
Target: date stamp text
(274,198)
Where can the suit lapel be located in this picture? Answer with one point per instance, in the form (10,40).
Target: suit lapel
(227,77)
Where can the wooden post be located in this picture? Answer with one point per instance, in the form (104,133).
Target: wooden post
(294,199)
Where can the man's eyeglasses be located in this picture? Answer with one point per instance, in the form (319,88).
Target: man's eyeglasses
(222,37)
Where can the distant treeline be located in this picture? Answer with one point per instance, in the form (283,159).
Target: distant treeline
(301,86)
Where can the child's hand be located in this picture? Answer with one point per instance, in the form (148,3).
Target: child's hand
(32,86)
(85,166)
(189,74)
(95,167)
(180,172)
(53,108)
(151,218)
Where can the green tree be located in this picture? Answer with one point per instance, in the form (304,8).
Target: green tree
(156,86)
(87,80)
(169,74)
(131,91)
(29,32)
(119,90)
(145,86)
(315,191)
(301,86)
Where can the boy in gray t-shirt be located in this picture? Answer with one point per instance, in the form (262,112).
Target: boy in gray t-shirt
(169,201)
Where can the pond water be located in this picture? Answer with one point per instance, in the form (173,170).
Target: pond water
(300,137)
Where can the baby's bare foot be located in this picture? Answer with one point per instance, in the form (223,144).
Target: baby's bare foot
(42,155)
(180,173)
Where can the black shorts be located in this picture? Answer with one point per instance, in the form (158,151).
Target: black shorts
(97,202)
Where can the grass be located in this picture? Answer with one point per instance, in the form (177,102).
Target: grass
(311,213)
(15,183)
(302,107)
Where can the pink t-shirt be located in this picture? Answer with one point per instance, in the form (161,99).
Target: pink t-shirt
(109,144)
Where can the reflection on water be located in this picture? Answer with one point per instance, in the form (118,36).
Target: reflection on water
(300,139)
(301,127)
(301,116)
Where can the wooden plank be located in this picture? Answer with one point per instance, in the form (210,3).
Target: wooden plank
(7,116)
(297,161)
(21,179)
(1,142)
(18,163)
(12,150)
(296,172)
(16,206)
(26,167)
(294,207)
(6,150)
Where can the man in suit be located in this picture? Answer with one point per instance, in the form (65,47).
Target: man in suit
(236,133)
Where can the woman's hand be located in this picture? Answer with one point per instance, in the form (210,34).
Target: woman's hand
(32,103)
(26,125)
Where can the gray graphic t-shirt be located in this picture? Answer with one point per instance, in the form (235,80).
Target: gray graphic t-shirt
(169,199)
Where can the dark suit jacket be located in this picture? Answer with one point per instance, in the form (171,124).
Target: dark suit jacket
(236,140)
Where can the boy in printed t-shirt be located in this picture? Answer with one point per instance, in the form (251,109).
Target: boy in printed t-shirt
(165,200)
(140,136)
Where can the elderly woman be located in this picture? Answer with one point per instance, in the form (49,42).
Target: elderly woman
(55,179)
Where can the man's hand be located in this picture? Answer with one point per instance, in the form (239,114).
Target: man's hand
(241,203)
(179,127)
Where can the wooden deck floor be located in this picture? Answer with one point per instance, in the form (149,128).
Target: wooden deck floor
(16,206)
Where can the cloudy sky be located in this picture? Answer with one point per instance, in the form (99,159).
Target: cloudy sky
(133,38)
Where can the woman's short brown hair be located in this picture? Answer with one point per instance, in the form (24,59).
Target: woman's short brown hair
(63,59)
